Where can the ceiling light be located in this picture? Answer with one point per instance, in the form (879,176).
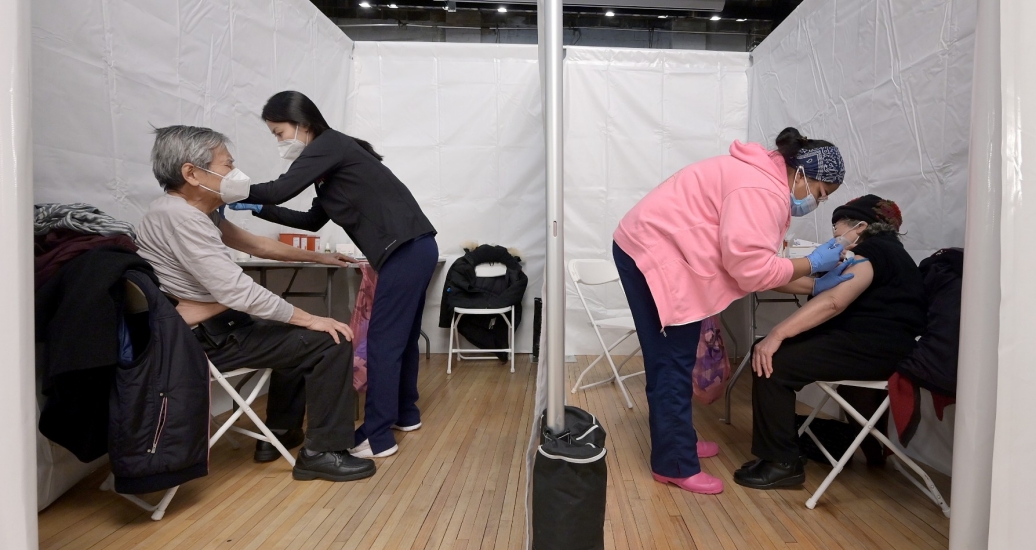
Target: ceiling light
(502,9)
(715,18)
(365,4)
(393,6)
(741,20)
(609,14)
(663,17)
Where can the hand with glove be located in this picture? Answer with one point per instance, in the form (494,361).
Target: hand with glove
(825,257)
(257,208)
(832,278)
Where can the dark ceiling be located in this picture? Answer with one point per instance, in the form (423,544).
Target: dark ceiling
(753,19)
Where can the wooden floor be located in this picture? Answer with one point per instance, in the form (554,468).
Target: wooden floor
(459,482)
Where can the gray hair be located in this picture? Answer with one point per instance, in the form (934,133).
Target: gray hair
(179,145)
(874,229)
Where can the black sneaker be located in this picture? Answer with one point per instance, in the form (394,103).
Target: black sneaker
(332,466)
(266,452)
(771,475)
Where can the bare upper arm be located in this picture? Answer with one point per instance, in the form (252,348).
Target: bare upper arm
(847,292)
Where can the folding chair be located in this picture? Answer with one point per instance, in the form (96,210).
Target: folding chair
(831,389)
(136,303)
(507,313)
(594,273)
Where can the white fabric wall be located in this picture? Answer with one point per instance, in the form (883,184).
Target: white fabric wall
(889,82)
(105,71)
(1012,487)
(461,126)
(632,119)
(18,525)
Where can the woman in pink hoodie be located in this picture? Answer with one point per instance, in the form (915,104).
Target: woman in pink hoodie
(708,235)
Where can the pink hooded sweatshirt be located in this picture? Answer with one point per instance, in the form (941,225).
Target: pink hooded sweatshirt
(710,234)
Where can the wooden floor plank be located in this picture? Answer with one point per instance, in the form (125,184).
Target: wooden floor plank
(459,483)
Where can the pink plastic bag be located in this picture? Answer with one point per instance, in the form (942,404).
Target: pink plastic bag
(360,322)
(712,367)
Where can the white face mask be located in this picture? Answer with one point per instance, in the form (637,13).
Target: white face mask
(844,241)
(290,149)
(235,187)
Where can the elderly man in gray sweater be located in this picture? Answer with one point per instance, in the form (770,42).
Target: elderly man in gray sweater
(238,322)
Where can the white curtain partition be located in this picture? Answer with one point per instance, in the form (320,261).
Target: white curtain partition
(18,526)
(1012,488)
(106,71)
(889,82)
(632,119)
(461,125)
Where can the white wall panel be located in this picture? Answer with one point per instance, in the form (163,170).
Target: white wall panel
(889,82)
(105,71)
(632,119)
(461,125)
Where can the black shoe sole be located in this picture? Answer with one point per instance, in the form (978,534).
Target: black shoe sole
(752,462)
(792,481)
(309,475)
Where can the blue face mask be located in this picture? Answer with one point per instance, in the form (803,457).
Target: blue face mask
(802,207)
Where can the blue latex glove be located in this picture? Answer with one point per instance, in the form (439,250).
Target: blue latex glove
(832,278)
(245,206)
(825,257)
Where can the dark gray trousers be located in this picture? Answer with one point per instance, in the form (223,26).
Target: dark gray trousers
(310,372)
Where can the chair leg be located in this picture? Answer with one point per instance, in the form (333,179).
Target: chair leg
(157,510)
(868,427)
(246,408)
(449,360)
(510,343)
(730,388)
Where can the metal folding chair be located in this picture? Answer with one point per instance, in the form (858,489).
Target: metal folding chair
(595,273)
(869,427)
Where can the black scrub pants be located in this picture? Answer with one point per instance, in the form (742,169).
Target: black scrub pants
(669,357)
(392,342)
(827,355)
(310,372)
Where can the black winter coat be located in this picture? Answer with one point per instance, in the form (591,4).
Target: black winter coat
(464,289)
(933,363)
(151,414)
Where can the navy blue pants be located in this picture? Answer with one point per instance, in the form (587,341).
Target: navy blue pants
(392,342)
(669,357)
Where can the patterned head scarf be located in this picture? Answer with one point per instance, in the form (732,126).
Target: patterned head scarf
(821,163)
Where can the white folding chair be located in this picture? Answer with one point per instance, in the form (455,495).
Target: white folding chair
(831,389)
(593,273)
(137,303)
(507,313)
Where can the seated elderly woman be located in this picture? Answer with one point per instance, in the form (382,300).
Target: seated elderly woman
(858,330)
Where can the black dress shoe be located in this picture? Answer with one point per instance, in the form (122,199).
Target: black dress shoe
(332,466)
(771,475)
(802,459)
(266,452)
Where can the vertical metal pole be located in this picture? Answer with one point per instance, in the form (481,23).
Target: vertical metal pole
(980,297)
(551,57)
(18,521)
